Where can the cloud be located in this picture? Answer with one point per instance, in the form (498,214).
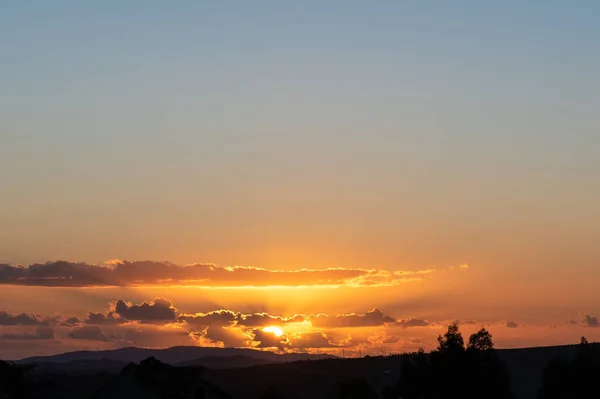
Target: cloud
(392,339)
(157,310)
(590,321)
(124,273)
(102,319)
(412,322)
(265,319)
(372,318)
(41,332)
(24,319)
(511,324)
(310,340)
(267,339)
(91,333)
(228,336)
(219,318)
(70,322)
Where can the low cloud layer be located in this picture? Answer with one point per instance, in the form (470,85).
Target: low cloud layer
(24,319)
(91,333)
(140,273)
(372,318)
(41,332)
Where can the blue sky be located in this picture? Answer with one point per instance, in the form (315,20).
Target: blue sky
(149,129)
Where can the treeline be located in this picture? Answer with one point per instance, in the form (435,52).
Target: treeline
(454,370)
(13,382)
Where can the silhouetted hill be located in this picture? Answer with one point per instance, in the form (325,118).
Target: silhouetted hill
(320,379)
(173,356)
(250,373)
(526,366)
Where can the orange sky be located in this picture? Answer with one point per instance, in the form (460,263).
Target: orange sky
(60,306)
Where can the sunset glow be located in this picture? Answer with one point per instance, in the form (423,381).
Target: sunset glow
(275,330)
(341,178)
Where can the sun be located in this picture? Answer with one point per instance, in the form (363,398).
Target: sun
(278,332)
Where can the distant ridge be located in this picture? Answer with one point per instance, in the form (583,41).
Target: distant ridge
(174,355)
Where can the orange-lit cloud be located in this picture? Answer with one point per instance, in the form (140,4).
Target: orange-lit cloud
(146,273)
(374,317)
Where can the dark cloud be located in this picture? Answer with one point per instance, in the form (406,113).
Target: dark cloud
(24,319)
(123,273)
(70,322)
(416,341)
(511,324)
(41,332)
(372,318)
(590,321)
(218,318)
(268,339)
(157,310)
(391,339)
(103,319)
(412,322)
(229,336)
(91,333)
(310,340)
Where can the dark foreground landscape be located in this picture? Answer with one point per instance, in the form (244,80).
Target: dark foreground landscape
(454,370)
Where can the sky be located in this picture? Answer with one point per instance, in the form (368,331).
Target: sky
(168,172)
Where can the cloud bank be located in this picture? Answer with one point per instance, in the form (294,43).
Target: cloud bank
(141,273)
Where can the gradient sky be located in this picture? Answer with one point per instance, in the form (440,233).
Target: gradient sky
(388,136)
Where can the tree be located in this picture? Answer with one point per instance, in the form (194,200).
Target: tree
(451,341)
(481,341)
(13,381)
(485,371)
(586,367)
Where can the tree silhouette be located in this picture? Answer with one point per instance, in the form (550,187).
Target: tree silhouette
(486,372)
(453,372)
(13,381)
(451,341)
(481,341)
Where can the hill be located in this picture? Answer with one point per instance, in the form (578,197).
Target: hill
(175,355)
(293,375)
